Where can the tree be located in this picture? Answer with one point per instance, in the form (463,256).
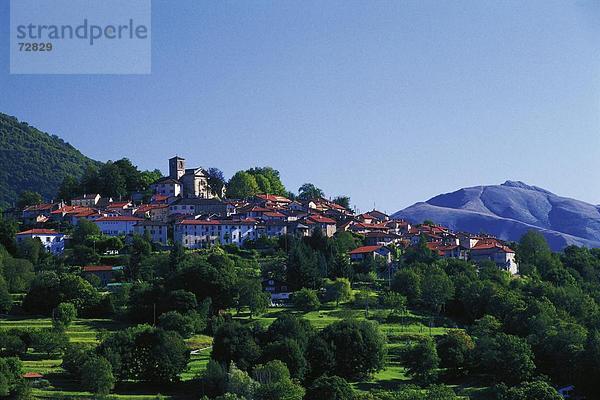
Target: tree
(437,289)
(139,249)
(97,376)
(268,180)
(216,181)
(303,267)
(49,341)
(240,383)
(5,297)
(29,198)
(394,301)
(275,382)
(69,188)
(145,353)
(83,230)
(8,230)
(359,347)
(252,295)
(242,185)
(506,357)
(290,326)
(309,191)
(536,390)
(343,201)
(288,351)
(30,249)
(63,315)
(306,300)
(455,350)
(532,249)
(10,375)
(18,274)
(174,321)
(422,361)
(234,342)
(339,290)
(408,283)
(330,388)
(75,356)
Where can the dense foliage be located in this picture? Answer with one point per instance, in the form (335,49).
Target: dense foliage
(35,161)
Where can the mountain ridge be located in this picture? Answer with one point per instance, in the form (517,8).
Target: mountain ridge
(31,159)
(511,209)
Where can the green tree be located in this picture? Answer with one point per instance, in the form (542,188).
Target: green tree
(437,289)
(18,274)
(10,375)
(275,382)
(145,353)
(422,361)
(343,201)
(216,181)
(29,198)
(330,388)
(97,376)
(339,290)
(63,315)
(242,185)
(5,297)
(49,342)
(359,347)
(306,300)
(8,230)
(532,249)
(288,351)
(309,191)
(234,342)
(455,350)
(408,283)
(83,230)
(252,295)
(394,301)
(30,249)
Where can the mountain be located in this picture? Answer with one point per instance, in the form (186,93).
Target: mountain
(511,209)
(34,160)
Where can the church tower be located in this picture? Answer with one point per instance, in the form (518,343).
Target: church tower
(176,167)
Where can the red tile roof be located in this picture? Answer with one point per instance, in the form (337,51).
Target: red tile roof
(119,218)
(365,249)
(97,268)
(40,232)
(319,219)
(274,197)
(32,375)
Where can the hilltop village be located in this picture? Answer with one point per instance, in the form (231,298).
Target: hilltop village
(184,209)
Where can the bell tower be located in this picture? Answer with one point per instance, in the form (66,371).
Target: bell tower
(176,167)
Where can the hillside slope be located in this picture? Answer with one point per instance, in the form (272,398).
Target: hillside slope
(511,209)
(34,160)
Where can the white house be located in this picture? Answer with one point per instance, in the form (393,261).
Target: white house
(167,186)
(361,253)
(87,200)
(503,256)
(117,225)
(52,240)
(195,234)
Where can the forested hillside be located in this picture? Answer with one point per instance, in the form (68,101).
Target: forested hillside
(34,160)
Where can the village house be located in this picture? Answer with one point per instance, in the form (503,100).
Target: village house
(326,225)
(87,200)
(272,201)
(105,273)
(157,231)
(167,187)
(502,255)
(199,206)
(195,234)
(39,212)
(117,225)
(361,253)
(52,240)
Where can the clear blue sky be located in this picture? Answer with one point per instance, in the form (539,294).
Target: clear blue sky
(388,102)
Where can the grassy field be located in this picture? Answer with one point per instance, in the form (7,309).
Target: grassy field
(403,331)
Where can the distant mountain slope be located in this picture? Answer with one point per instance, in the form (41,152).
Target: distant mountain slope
(511,209)
(34,160)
